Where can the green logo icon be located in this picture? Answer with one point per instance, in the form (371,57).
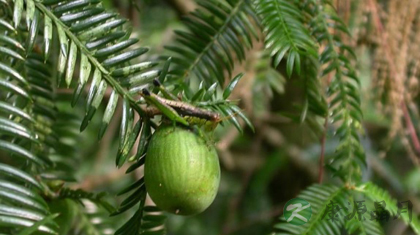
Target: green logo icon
(297,211)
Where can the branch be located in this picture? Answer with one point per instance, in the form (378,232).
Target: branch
(411,128)
(105,73)
(324,137)
(92,182)
(322,155)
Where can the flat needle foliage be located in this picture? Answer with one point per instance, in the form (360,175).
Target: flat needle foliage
(62,58)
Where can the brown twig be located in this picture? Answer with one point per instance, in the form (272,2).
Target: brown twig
(96,181)
(182,107)
(411,128)
(323,140)
(235,202)
(322,155)
(223,147)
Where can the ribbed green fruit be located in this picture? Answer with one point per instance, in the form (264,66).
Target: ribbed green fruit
(182,171)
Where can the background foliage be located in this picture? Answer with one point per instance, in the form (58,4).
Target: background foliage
(320,100)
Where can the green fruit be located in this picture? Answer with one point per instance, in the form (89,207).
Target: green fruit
(182,171)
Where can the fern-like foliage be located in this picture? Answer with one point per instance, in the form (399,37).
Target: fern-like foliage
(21,202)
(319,197)
(151,220)
(86,218)
(267,79)
(63,151)
(330,214)
(95,43)
(343,91)
(378,194)
(219,33)
(285,33)
(146,219)
(286,37)
(209,99)
(363,227)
